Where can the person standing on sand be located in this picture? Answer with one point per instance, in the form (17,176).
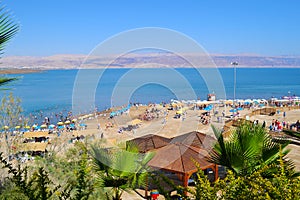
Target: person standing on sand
(284,114)
(264,124)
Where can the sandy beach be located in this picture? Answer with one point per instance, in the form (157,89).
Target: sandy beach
(164,123)
(174,127)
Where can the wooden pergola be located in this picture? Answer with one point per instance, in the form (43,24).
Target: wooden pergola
(179,154)
(180,159)
(195,139)
(149,142)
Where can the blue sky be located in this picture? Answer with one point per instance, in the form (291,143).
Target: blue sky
(261,27)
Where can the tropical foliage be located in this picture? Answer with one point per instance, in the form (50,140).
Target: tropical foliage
(234,186)
(8,30)
(120,170)
(247,149)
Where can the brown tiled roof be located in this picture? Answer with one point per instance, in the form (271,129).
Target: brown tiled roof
(180,158)
(195,139)
(150,142)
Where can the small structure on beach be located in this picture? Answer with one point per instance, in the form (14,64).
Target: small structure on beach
(211,97)
(180,159)
(37,136)
(195,139)
(178,155)
(149,142)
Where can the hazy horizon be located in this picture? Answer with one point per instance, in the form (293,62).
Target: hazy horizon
(233,27)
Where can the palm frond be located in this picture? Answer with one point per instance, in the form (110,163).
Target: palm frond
(6,80)
(8,28)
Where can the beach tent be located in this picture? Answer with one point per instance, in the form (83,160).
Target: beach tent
(149,142)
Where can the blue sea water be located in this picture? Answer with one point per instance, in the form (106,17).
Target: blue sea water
(51,92)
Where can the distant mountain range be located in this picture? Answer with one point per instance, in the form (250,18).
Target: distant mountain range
(146,60)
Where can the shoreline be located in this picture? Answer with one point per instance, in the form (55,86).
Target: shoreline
(19,71)
(4,71)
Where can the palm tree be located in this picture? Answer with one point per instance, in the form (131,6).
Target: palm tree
(121,170)
(247,149)
(8,30)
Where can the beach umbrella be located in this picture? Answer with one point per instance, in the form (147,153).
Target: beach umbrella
(5,127)
(179,112)
(43,126)
(74,120)
(208,108)
(27,127)
(233,110)
(113,113)
(135,122)
(51,126)
(60,123)
(67,122)
(239,108)
(60,127)
(18,127)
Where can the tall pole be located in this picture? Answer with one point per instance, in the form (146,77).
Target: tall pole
(234,83)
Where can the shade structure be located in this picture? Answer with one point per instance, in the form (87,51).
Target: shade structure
(5,127)
(35,134)
(135,122)
(195,139)
(60,123)
(228,102)
(51,126)
(17,127)
(67,122)
(34,146)
(149,142)
(208,108)
(179,112)
(43,126)
(180,158)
